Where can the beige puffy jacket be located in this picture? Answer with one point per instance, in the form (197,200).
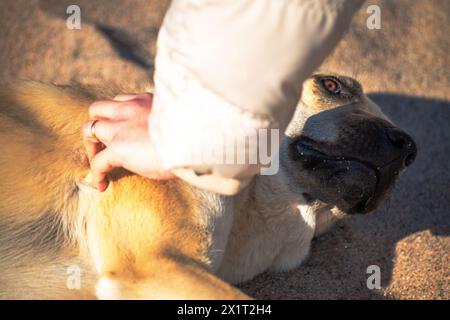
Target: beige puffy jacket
(229,68)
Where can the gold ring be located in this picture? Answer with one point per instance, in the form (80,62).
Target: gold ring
(93,136)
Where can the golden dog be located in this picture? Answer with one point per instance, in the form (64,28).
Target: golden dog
(166,239)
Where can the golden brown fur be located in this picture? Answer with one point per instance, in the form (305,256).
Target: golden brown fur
(132,232)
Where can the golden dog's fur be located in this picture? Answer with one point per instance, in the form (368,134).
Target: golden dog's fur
(139,231)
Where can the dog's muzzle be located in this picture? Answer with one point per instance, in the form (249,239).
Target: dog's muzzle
(355,173)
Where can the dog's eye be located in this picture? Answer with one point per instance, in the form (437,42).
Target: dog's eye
(331,86)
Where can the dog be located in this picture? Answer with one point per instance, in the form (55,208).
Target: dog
(151,239)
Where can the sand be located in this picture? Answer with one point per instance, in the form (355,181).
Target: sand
(404,67)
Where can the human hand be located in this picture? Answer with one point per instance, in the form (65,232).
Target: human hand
(118,136)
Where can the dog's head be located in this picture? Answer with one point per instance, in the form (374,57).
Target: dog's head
(341,149)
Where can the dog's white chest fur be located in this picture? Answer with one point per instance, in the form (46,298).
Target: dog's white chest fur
(264,228)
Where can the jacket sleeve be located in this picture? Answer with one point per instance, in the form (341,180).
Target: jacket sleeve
(227,69)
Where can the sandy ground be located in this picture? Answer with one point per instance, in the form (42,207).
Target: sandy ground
(405,68)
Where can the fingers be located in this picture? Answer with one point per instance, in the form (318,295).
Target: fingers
(121,107)
(128,97)
(101,164)
(125,97)
(108,109)
(104,130)
(92,148)
(100,157)
(110,117)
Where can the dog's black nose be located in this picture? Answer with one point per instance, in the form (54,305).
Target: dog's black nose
(404,143)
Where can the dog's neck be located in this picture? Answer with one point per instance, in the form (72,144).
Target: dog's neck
(272,198)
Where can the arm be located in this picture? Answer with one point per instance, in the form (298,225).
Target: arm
(228,65)
(224,70)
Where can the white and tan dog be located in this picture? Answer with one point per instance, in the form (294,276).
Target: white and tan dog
(165,239)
